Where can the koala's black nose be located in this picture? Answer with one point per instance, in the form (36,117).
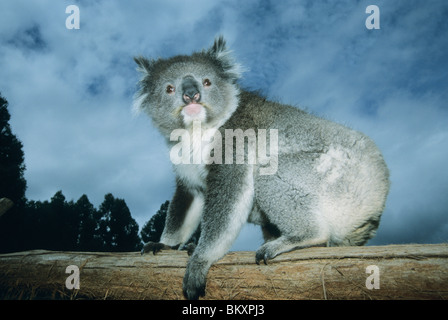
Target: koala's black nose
(190,91)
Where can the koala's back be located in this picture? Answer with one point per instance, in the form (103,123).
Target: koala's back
(330,178)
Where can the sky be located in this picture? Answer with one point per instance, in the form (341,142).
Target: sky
(70,92)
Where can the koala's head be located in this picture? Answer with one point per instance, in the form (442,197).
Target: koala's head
(179,90)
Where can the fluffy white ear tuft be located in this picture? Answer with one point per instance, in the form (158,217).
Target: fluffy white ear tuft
(137,105)
(225,58)
(144,65)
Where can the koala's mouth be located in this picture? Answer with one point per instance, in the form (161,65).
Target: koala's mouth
(193,109)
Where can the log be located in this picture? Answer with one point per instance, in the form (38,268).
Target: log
(401,272)
(5,205)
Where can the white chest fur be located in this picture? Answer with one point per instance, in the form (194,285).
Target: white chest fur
(193,171)
(193,175)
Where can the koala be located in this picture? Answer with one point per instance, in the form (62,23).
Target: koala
(327,184)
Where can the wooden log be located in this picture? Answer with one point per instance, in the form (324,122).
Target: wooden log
(5,205)
(403,272)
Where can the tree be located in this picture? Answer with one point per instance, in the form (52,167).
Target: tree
(12,167)
(88,237)
(12,183)
(34,222)
(152,230)
(118,230)
(56,223)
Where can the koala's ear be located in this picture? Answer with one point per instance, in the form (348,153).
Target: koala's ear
(224,57)
(218,47)
(144,65)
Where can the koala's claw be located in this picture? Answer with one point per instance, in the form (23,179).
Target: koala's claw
(259,257)
(154,247)
(193,293)
(265,254)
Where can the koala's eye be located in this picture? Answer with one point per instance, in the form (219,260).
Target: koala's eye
(207,83)
(170,89)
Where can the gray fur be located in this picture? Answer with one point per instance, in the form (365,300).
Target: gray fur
(330,186)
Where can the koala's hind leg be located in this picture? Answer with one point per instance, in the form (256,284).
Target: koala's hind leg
(291,210)
(285,244)
(292,226)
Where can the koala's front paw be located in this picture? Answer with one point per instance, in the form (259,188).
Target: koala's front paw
(264,253)
(195,280)
(154,247)
(193,288)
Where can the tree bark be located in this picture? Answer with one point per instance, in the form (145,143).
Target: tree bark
(5,205)
(403,272)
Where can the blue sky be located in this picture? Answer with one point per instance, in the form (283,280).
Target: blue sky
(70,92)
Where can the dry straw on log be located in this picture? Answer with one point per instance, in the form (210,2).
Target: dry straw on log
(405,272)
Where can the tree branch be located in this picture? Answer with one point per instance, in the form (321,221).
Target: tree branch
(5,205)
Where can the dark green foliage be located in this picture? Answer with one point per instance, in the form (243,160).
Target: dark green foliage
(88,236)
(12,181)
(12,167)
(117,229)
(71,226)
